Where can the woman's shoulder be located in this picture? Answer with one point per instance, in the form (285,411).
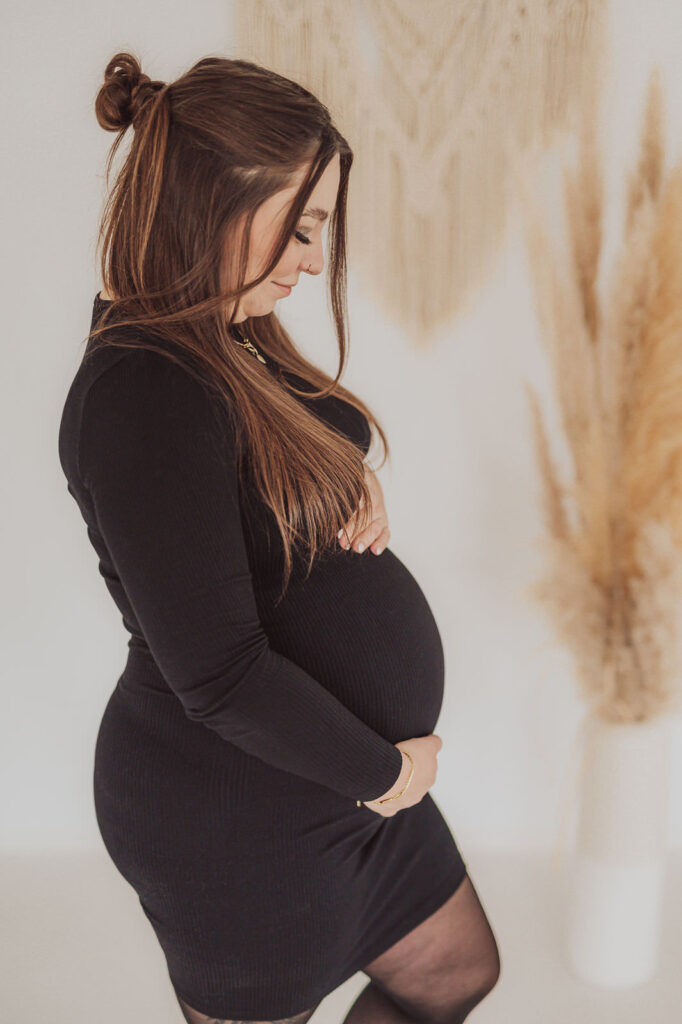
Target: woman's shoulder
(138,386)
(137,356)
(126,397)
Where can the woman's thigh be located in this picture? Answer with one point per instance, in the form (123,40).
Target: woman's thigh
(445,965)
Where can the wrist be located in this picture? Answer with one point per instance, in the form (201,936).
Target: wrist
(402,782)
(402,777)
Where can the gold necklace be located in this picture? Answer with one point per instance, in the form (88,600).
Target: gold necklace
(245,343)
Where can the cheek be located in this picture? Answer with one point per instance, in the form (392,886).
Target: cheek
(291,258)
(285,270)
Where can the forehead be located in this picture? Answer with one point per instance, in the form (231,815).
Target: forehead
(322,198)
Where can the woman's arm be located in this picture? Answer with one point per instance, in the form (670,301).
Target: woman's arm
(157,459)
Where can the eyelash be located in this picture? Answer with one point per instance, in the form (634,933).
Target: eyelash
(302,238)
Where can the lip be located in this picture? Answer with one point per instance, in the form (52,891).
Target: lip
(285,287)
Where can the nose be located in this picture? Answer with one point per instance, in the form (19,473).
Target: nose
(313,262)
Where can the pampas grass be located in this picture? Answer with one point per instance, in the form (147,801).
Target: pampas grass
(613,584)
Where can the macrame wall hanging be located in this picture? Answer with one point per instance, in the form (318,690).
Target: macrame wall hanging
(437,100)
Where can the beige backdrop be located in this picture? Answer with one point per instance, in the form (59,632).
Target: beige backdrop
(438,101)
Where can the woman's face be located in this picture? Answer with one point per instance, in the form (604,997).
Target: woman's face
(304,252)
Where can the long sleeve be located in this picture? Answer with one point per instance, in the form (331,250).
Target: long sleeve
(157,458)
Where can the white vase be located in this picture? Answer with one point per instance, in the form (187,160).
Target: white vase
(617,871)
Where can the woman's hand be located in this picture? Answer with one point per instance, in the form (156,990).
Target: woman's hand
(424,752)
(374,535)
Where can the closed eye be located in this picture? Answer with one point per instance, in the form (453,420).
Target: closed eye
(302,238)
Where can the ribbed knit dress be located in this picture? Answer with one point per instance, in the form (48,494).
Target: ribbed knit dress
(241,732)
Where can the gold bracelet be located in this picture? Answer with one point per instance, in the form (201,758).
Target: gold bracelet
(396,795)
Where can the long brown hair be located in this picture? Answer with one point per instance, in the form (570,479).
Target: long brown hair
(207,150)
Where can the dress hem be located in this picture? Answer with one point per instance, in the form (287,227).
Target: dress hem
(416,916)
(399,930)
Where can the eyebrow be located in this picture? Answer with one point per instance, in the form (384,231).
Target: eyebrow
(315,211)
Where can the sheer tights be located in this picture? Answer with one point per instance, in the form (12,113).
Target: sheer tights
(438,972)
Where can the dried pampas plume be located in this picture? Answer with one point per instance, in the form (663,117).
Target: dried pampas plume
(613,585)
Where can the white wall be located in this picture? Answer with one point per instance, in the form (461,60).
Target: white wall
(461,489)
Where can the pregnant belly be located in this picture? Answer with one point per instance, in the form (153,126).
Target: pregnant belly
(362,627)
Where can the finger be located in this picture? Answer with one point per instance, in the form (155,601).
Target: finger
(368,536)
(346,534)
(373,536)
(348,537)
(344,537)
(350,527)
(381,542)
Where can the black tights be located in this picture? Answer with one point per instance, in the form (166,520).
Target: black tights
(436,974)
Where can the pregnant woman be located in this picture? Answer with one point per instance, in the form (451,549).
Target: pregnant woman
(263,764)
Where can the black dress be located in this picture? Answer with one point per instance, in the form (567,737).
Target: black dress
(240,733)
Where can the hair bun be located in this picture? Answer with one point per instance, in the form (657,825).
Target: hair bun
(125,93)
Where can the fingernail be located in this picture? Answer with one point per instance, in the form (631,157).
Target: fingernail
(378,551)
(361,548)
(339,533)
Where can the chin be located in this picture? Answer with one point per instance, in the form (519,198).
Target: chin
(265,305)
